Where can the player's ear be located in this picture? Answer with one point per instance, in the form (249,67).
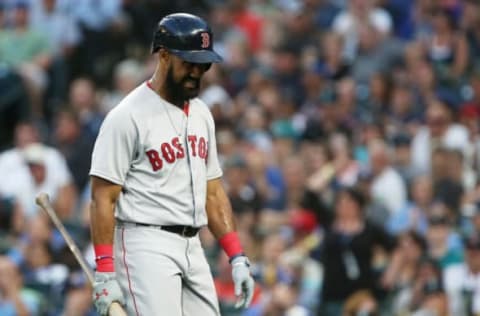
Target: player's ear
(164,56)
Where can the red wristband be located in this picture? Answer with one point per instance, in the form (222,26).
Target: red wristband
(104,258)
(231,244)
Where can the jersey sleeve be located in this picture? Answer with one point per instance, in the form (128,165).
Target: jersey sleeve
(213,165)
(115,147)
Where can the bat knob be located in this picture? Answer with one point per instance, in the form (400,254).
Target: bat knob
(42,199)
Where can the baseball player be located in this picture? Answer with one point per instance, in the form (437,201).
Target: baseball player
(156,181)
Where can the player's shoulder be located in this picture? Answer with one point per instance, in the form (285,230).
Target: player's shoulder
(138,96)
(131,104)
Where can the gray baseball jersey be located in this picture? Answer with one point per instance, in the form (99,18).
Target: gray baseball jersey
(161,155)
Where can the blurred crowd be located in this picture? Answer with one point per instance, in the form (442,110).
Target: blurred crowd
(348,132)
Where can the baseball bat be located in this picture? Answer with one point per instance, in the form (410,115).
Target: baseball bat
(43,201)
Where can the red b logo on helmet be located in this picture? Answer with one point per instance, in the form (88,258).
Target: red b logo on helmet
(205,40)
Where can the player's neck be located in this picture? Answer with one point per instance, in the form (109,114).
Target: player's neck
(161,90)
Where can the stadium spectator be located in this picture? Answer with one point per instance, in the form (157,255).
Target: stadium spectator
(47,17)
(282,301)
(333,65)
(469,115)
(429,295)
(347,252)
(470,24)
(388,187)
(83,100)
(439,233)
(244,197)
(16,299)
(413,215)
(42,274)
(63,35)
(447,47)
(96,22)
(440,131)
(127,75)
(401,274)
(402,157)
(461,281)
(347,169)
(268,179)
(347,23)
(74,146)
(28,51)
(78,295)
(31,168)
(374,52)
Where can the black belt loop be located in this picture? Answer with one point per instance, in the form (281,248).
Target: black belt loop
(182,230)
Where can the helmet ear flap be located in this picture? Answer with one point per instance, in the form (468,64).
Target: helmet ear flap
(155,46)
(159,38)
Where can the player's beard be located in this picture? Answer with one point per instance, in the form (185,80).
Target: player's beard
(178,92)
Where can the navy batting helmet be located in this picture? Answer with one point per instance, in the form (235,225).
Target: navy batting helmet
(186,36)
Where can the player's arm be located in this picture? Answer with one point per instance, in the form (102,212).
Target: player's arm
(104,198)
(219,209)
(222,225)
(106,289)
(220,218)
(112,157)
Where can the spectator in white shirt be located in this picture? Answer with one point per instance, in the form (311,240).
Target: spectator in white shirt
(440,131)
(347,22)
(30,168)
(462,282)
(388,187)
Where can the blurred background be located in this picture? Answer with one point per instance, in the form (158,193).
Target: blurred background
(348,132)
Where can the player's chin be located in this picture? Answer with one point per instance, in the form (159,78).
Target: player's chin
(190,93)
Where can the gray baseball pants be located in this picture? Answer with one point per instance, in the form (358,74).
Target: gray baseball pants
(163,273)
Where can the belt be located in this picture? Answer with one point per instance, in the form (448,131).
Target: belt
(182,230)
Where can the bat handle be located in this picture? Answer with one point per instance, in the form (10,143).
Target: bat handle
(116,310)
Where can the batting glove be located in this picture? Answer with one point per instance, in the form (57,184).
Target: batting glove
(106,290)
(244,284)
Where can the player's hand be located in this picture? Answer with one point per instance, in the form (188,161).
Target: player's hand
(244,284)
(106,290)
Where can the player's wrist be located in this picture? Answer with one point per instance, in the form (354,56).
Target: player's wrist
(241,257)
(231,245)
(104,258)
